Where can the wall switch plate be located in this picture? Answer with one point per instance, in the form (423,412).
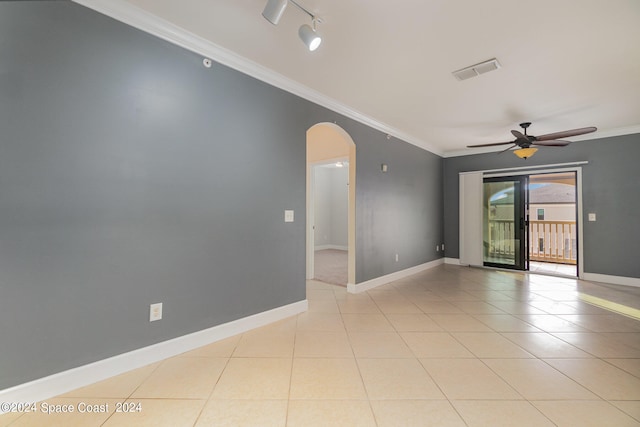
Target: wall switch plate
(443,246)
(288,216)
(155,312)
(437,248)
(396,257)
(592,217)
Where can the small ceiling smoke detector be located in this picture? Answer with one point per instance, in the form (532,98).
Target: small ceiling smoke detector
(477,69)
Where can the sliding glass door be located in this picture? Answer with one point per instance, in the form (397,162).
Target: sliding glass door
(505,222)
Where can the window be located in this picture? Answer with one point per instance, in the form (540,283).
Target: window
(541,214)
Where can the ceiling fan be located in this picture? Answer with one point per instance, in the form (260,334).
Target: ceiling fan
(525,141)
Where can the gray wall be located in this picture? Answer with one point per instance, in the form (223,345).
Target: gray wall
(610,188)
(130,174)
(399,211)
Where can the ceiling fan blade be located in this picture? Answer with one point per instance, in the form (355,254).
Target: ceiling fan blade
(519,135)
(489,145)
(553,143)
(513,146)
(566,133)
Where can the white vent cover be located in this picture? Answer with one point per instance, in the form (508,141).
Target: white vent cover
(476,70)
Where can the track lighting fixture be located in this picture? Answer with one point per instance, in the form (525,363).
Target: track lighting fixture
(273,11)
(309,36)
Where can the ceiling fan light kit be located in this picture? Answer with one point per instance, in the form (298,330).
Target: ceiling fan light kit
(525,153)
(273,11)
(525,141)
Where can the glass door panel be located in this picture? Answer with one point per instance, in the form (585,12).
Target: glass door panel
(504,219)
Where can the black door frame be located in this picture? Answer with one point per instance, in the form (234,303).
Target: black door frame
(521,221)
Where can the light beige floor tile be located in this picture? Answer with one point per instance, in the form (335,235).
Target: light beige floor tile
(310,321)
(120,386)
(358,306)
(399,307)
(600,377)
(326,379)
(321,294)
(316,284)
(379,345)
(323,306)
(551,323)
(630,365)
(490,345)
(322,344)
(459,323)
(554,307)
(437,307)
(416,413)
(516,307)
(274,343)
(585,414)
(159,413)
(324,413)
(254,378)
(505,323)
(413,323)
(629,407)
(631,339)
(535,380)
(397,379)
(366,322)
(482,413)
(604,322)
(477,307)
(462,379)
(182,378)
(223,348)
(434,344)
(456,296)
(49,413)
(244,413)
(545,345)
(600,345)
(9,417)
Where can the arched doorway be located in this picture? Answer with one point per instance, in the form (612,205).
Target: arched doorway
(328,143)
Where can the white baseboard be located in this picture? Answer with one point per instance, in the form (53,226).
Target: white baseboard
(388,278)
(592,277)
(63,382)
(336,247)
(614,280)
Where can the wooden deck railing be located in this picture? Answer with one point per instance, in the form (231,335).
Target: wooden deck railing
(550,241)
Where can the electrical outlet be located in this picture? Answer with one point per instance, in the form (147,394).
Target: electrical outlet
(155,312)
(396,257)
(443,246)
(437,248)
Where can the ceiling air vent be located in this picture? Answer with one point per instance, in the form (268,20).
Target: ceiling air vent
(476,70)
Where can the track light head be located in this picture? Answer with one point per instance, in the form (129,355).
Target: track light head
(273,10)
(310,37)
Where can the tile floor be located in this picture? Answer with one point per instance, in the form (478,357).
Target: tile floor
(551,268)
(451,346)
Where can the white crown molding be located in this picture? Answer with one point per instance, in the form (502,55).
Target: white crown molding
(149,23)
(63,382)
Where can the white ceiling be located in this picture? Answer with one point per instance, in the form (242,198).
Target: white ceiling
(565,63)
